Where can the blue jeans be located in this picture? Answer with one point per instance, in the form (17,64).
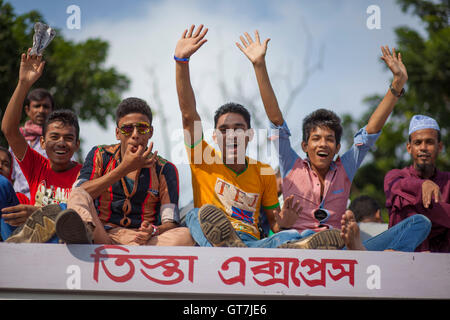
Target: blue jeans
(8,198)
(405,236)
(273,241)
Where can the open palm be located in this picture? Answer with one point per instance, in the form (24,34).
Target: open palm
(31,68)
(394,63)
(190,42)
(254,50)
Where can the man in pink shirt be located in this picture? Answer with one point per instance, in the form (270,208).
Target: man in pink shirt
(320,183)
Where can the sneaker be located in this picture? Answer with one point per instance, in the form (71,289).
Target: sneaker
(39,226)
(217,228)
(71,229)
(324,240)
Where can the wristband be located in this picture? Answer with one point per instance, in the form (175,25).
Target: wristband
(181,60)
(395,93)
(155,230)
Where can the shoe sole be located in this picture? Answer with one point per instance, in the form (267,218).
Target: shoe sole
(217,229)
(71,229)
(39,226)
(323,240)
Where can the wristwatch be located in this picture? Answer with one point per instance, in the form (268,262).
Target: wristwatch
(395,93)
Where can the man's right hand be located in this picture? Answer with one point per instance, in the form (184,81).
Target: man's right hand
(137,158)
(190,42)
(430,190)
(31,68)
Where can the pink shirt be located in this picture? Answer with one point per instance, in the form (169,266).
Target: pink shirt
(302,182)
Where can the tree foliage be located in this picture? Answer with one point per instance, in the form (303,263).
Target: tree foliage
(74,72)
(427,60)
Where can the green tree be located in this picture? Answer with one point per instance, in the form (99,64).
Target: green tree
(74,72)
(428,64)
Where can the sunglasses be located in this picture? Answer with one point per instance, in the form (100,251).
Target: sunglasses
(141,127)
(322,216)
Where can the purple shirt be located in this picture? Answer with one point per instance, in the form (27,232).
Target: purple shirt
(403,189)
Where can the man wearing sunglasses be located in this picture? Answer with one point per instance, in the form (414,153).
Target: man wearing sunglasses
(125,194)
(321,184)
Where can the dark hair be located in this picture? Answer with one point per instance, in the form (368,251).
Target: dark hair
(67,117)
(38,95)
(133,105)
(9,155)
(322,118)
(232,107)
(364,207)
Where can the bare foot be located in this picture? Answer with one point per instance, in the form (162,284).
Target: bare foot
(350,232)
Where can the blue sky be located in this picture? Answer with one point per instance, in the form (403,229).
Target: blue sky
(143,35)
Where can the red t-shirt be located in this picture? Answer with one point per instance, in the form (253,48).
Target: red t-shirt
(46,186)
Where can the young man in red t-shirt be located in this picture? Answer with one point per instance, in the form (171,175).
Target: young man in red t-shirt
(51,179)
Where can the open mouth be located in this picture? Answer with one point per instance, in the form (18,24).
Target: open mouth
(322,154)
(61,152)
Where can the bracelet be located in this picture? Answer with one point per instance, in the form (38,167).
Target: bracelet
(155,230)
(182,60)
(395,93)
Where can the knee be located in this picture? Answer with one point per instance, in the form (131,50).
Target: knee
(191,216)
(422,222)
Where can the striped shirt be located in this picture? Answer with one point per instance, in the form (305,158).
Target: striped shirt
(156,196)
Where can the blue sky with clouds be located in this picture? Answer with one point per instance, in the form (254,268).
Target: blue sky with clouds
(143,35)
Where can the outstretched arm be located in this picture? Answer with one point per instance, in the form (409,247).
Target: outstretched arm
(384,109)
(189,43)
(31,68)
(255,51)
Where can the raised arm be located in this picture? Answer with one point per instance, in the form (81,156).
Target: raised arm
(255,51)
(189,43)
(31,68)
(384,109)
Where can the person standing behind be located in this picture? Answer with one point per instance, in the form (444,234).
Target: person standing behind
(38,105)
(367,213)
(421,188)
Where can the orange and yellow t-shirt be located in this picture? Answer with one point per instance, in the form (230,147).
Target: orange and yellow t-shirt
(239,195)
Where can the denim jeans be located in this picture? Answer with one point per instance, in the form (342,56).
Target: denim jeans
(273,241)
(405,236)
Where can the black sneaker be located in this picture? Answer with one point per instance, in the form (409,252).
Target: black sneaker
(324,240)
(71,229)
(217,228)
(38,228)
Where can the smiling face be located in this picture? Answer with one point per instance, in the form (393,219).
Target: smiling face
(135,138)
(60,142)
(232,135)
(38,110)
(424,148)
(321,148)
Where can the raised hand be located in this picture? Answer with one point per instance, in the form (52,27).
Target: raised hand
(395,64)
(254,50)
(137,157)
(190,42)
(288,214)
(31,68)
